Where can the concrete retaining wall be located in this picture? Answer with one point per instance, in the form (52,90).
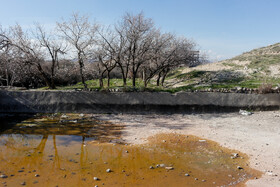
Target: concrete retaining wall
(132,102)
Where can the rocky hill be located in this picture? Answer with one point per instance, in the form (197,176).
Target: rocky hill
(250,69)
(264,61)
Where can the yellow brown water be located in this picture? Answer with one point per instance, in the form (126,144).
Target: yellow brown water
(59,150)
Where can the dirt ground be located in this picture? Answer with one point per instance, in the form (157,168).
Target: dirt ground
(257,135)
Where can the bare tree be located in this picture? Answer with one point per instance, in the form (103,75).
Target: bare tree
(180,53)
(80,34)
(53,48)
(135,35)
(107,53)
(4,59)
(134,47)
(140,33)
(116,44)
(27,51)
(4,40)
(160,55)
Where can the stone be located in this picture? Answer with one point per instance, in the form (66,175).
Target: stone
(64,116)
(187,175)
(96,178)
(234,155)
(3,176)
(151,167)
(270,173)
(23,183)
(245,113)
(37,175)
(238,88)
(239,167)
(169,168)
(108,170)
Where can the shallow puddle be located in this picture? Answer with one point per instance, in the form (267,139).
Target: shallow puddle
(72,149)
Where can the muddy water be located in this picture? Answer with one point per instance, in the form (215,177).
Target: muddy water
(72,149)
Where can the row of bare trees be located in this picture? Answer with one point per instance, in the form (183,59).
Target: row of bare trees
(133,47)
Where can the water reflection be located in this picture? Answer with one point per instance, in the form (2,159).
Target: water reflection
(86,126)
(31,136)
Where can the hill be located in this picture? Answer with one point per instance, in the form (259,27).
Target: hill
(250,69)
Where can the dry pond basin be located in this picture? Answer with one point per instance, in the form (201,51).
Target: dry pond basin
(80,150)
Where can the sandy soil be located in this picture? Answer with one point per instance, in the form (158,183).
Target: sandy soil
(216,66)
(257,135)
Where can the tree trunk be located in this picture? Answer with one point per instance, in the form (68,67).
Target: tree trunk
(145,83)
(123,77)
(163,78)
(82,76)
(100,82)
(123,73)
(45,77)
(126,72)
(101,75)
(144,75)
(158,78)
(52,75)
(108,76)
(81,72)
(134,79)
(7,77)
(124,81)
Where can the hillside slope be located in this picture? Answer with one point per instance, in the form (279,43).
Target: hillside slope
(250,69)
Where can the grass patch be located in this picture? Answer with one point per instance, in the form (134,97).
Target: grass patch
(189,75)
(174,73)
(233,65)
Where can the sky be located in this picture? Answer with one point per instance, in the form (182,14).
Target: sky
(221,28)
